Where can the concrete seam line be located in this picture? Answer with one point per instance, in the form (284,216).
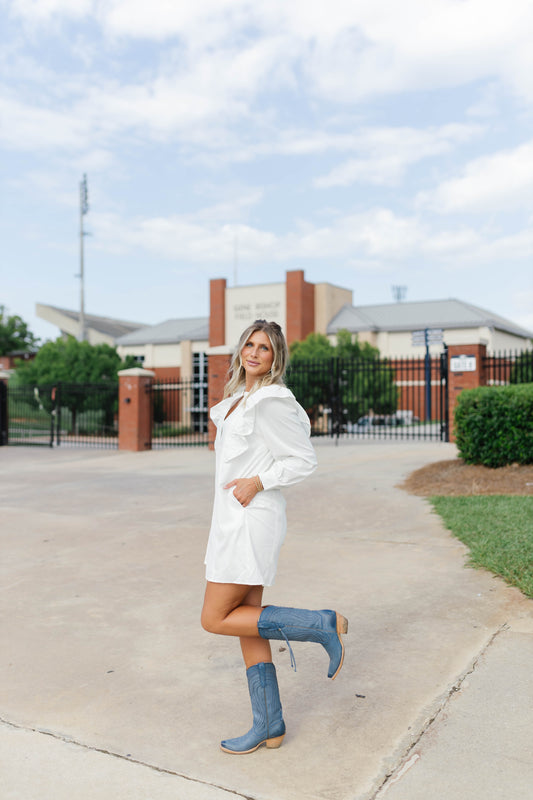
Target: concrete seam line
(406,760)
(67,740)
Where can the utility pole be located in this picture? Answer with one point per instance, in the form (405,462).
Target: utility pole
(84,208)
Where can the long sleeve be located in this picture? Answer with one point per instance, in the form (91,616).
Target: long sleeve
(285,436)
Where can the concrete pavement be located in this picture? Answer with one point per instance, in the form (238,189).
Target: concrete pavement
(110,689)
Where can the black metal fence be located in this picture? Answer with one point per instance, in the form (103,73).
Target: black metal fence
(180,413)
(398,398)
(66,414)
(3,413)
(508,367)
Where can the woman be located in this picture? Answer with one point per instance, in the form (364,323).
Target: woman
(262,444)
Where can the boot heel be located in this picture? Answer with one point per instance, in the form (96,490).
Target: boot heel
(275,742)
(342,624)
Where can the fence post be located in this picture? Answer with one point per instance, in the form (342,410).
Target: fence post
(135,409)
(4,424)
(466,370)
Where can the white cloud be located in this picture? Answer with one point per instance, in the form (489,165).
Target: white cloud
(220,59)
(183,239)
(506,249)
(378,237)
(377,233)
(195,100)
(347,51)
(386,153)
(497,182)
(523,302)
(386,47)
(204,238)
(38,10)
(29,127)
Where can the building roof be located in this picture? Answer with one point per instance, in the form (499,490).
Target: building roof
(446,314)
(69,321)
(169,332)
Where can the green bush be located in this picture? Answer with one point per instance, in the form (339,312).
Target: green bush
(494,425)
(169,429)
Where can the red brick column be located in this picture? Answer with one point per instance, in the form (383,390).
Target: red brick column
(217,312)
(300,296)
(134,409)
(218,365)
(465,371)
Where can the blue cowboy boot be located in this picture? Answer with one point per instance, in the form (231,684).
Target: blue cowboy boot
(297,625)
(268,726)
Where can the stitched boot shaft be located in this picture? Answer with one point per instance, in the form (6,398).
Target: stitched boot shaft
(268,726)
(299,625)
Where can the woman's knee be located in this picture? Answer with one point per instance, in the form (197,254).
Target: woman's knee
(209,621)
(219,602)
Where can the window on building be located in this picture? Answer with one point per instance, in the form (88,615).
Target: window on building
(199,409)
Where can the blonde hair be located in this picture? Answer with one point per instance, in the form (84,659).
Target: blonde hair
(280,352)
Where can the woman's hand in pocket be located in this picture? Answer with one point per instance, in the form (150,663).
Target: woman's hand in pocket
(244,490)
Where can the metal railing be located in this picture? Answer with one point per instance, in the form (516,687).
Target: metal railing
(3,413)
(397,398)
(180,413)
(66,414)
(505,367)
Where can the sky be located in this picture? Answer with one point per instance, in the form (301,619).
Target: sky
(370,143)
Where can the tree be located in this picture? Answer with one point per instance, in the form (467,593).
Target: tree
(347,347)
(309,375)
(315,347)
(70,362)
(350,379)
(15,335)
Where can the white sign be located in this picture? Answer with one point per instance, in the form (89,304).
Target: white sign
(244,304)
(463,363)
(427,336)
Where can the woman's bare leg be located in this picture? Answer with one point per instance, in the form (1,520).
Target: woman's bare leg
(224,611)
(233,610)
(255,650)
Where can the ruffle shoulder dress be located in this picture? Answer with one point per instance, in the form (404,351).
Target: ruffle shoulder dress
(267,434)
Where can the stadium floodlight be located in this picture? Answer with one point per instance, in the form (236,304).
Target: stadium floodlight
(84,209)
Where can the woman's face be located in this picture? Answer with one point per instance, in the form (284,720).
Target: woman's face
(257,357)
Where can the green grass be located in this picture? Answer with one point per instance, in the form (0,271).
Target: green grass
(498,530)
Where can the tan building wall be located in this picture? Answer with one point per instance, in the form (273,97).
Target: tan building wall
(165,355)
(329,300)
(398,344)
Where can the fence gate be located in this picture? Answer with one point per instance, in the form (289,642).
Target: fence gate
(394,398)
(66,414)
(180,412)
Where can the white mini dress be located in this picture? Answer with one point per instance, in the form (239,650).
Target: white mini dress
(267,434)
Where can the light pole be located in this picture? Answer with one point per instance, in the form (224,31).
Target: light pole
(84,208)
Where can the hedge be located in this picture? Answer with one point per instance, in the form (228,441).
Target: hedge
(494,425)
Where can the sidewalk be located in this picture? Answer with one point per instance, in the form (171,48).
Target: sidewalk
(110,689)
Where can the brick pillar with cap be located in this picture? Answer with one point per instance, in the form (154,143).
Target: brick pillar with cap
(466,370)
(135,409)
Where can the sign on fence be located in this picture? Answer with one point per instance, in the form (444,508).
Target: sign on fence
(463,363)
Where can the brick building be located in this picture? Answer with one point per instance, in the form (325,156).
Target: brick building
(179,348)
